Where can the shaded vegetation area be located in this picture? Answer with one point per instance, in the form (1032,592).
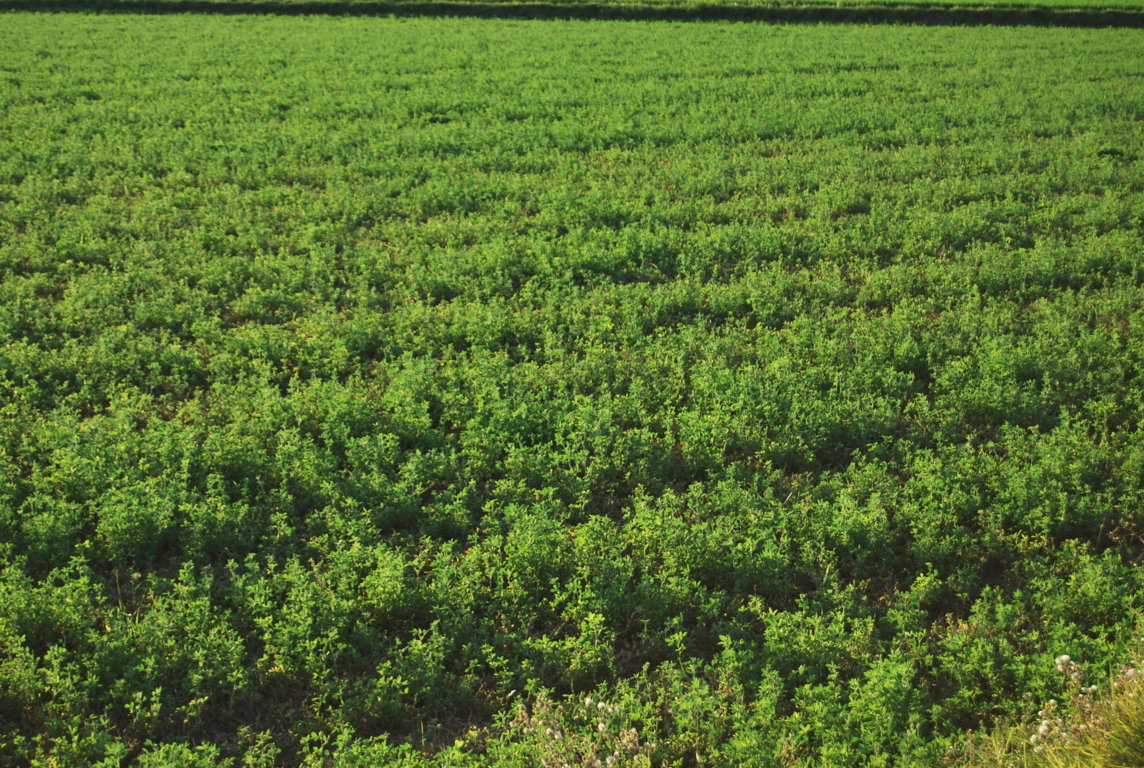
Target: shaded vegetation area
(369,387)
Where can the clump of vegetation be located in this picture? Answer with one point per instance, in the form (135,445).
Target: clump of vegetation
(578,732)
(1093,728)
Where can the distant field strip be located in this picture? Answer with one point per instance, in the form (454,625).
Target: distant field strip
(364,380)
(1077,13)
(619,5)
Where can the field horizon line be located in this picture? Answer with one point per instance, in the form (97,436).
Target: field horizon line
(924,15)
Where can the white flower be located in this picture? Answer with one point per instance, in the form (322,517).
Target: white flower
(587,702)
(1063,659)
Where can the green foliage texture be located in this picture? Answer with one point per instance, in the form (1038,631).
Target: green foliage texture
(363,378)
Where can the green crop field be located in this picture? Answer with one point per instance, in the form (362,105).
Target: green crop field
(387,391)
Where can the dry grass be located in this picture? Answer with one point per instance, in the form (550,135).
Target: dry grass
(1101,728)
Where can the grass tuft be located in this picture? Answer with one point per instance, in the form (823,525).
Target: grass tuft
(1094,730)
